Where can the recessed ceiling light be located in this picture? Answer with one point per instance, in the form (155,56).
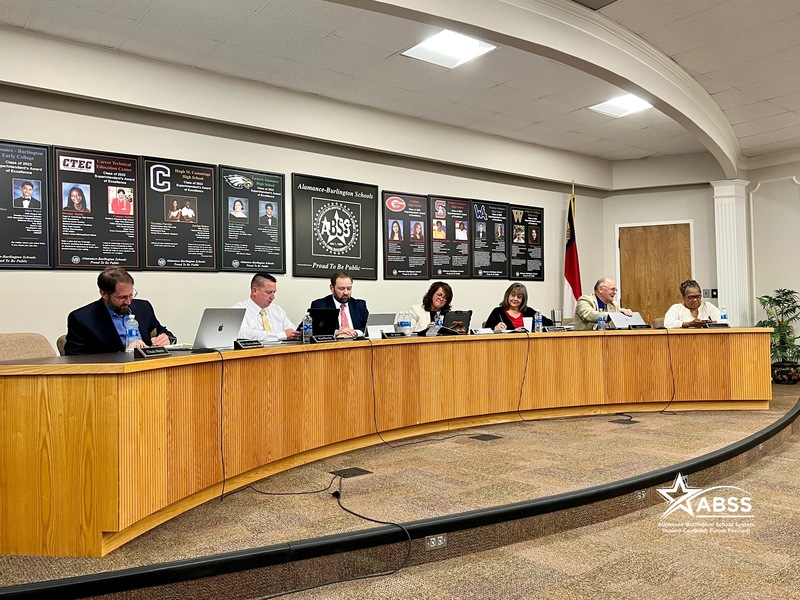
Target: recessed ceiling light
(622,106)
(448,49)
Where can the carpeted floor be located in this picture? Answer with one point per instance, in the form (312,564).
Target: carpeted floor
(454,473)
(626,558)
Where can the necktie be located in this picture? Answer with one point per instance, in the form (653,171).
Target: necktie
(343,318)
(265,320)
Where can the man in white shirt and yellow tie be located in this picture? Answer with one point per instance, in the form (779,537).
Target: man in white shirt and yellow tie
(264,320)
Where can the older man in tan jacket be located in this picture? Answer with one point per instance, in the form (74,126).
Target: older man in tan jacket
(592,307)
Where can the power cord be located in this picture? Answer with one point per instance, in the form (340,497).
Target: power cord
(524,376)
(222,420)
(308,492)
(664,410)
(375,412)
(337,494)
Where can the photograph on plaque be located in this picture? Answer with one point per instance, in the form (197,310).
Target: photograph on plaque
(450,237)
(526,253)
(24,208)
(335,227)
(489,242)
(405,247)
(251,223)
(179,215)
(94,194)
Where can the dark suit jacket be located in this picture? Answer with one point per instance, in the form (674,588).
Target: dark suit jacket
(91,331)
(264,220)
(358,310)
(34,203)
(499,314)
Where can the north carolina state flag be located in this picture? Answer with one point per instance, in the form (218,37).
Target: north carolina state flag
(572,270)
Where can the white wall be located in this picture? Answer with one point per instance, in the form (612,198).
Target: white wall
(775,206)
(695,205)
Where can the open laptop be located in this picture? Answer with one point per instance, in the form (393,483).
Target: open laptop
(378,322)
(324,321)
(616,320)
(218,328)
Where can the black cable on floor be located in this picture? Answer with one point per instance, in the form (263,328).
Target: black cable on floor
(307,492)
(338,495)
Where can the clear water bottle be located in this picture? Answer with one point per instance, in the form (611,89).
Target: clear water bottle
(601,321)
(537,322)
(306,328)
(723,314)
(132,333)
(405,323)
(438,320)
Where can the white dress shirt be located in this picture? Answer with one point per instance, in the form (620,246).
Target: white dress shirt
(253,327)
(338,306)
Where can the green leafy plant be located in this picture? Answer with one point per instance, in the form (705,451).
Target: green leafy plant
(783,310)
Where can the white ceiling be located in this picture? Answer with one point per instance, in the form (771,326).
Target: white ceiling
(744,52)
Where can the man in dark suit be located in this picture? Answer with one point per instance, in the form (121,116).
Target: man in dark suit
(268,218)
(352,313)
(26,199)
(99,327)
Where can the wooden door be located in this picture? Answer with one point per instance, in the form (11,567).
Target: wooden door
(654,260)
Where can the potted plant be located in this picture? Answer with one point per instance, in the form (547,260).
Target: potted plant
(783,310)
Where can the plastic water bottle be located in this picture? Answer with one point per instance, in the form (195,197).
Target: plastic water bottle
(723,314)
(132,333)
(601,321)
(405,323)
(537,322)
(438,320)
(307,328)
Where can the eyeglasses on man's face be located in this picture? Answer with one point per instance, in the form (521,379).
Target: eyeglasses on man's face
(125,298)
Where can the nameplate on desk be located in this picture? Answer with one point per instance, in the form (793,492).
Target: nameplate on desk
(154,352)
(717,325)
(641,326)
(392,334)
(554,328)
(246,344)
(319,339)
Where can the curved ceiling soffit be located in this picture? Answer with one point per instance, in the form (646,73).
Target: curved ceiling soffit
(588,41)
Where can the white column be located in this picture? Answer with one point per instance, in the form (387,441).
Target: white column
(733,261)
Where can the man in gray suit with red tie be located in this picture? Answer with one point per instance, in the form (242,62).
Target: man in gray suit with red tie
(352,313)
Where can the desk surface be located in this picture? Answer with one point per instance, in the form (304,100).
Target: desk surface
(119,445)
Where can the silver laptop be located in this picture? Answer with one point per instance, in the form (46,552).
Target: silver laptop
(218,328)
(378,322)
(619,321)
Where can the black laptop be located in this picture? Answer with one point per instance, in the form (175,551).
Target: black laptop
(324,321)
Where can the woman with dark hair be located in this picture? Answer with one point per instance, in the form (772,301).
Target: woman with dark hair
(76,201)
(693,311)
(435,303)
(396,235)
(175,212)
(512,310)
(417,234)
(237,215)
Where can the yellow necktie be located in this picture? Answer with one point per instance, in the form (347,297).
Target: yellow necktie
(265,320)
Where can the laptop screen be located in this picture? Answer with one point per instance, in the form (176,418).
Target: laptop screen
(378,322)
(218,328)
(324,321)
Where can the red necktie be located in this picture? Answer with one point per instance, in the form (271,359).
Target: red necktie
(343,319)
